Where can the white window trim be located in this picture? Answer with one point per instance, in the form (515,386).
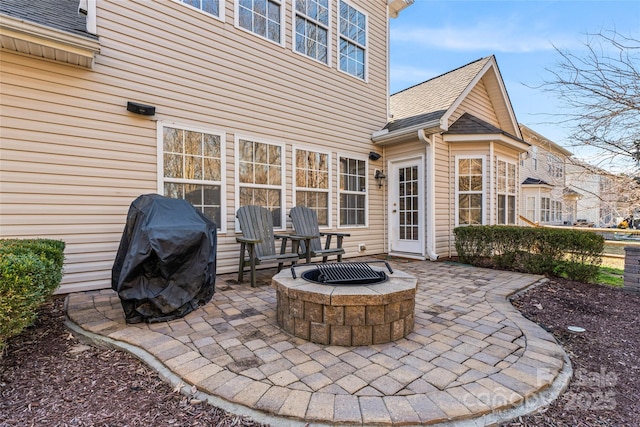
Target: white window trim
(294,187)
(283,175)
(366,193)
(366,47)
(507,162)
(223,161)
(236,23)
(484,187)
(329,35)
(221,8)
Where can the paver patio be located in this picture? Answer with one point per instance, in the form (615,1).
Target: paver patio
(472,358)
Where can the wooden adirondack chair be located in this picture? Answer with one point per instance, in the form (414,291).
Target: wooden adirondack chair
(305,223)
(258,239)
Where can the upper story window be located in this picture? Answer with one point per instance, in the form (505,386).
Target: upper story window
(352,43)
(534,158)
(260,168)
(262,17)
(312,183)
(191,168)
(353,192)
(556,166)
(470,190)
(312,29)
(213,7)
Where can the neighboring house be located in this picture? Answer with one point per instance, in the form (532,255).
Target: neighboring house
(224,103)
(545,197)
(604,197)
(452,153)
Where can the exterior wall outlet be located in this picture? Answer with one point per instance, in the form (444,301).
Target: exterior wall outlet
(362,247)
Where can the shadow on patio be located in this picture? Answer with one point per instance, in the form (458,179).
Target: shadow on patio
(471,356)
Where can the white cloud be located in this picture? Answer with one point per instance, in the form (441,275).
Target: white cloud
(484,36)
(410,75)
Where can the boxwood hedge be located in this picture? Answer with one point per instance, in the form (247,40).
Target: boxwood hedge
(30,271)
(574,254)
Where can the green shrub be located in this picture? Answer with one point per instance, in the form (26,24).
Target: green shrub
(575,254)
(30,271)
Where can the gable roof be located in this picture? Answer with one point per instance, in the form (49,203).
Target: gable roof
(430,100)
(429,105)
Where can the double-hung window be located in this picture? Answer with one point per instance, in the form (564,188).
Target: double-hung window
(506,180)
(312,182)
(212,7)
(531,208)
(312,23)
(545,209)
(192,168)
(470,190)
(352,43)
(262,17)
(260,168)
(353,192)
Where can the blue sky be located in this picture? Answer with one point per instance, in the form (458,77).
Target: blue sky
(432,37)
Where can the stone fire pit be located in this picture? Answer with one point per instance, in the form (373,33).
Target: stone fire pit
(345,315)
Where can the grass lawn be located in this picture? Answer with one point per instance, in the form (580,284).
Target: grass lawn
(611,276)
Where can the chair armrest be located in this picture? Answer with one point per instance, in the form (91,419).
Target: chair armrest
(282,236)
(247,240)
(299,237)
(331,233)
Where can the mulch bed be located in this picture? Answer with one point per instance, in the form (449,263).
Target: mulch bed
(605,388)
(49,378)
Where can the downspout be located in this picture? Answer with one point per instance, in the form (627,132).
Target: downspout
(430,196)
(491,185)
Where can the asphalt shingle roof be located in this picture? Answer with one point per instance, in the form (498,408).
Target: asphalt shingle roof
(429,100)
(535,181)
(59,14)
(469,124)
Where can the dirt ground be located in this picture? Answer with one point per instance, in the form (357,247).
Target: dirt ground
(48,378)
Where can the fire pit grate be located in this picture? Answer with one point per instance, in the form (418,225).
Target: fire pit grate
(345,273)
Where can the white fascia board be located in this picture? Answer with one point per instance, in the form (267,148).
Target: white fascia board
(499,138)
(397,6)
(31,32)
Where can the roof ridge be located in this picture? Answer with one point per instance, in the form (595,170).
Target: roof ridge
(441,75)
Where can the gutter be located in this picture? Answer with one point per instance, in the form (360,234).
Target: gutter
(47,36)
(384,137)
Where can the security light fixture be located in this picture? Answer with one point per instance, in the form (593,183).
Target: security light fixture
(373,156)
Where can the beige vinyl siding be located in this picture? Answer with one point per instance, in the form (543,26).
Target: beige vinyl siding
(477,103)
(73,158)
(445,197)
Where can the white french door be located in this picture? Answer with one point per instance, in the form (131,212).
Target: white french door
(406,206)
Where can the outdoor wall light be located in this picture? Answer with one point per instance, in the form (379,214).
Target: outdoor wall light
(379,176)
(137,108)
(373,156)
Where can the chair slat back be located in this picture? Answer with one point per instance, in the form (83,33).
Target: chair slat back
(305,223)
(256,222)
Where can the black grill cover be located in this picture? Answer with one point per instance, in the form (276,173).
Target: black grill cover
(166,263)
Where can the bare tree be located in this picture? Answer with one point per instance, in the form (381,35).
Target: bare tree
(601,92)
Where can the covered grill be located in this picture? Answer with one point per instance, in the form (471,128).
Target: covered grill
(166,263)
(345,273)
